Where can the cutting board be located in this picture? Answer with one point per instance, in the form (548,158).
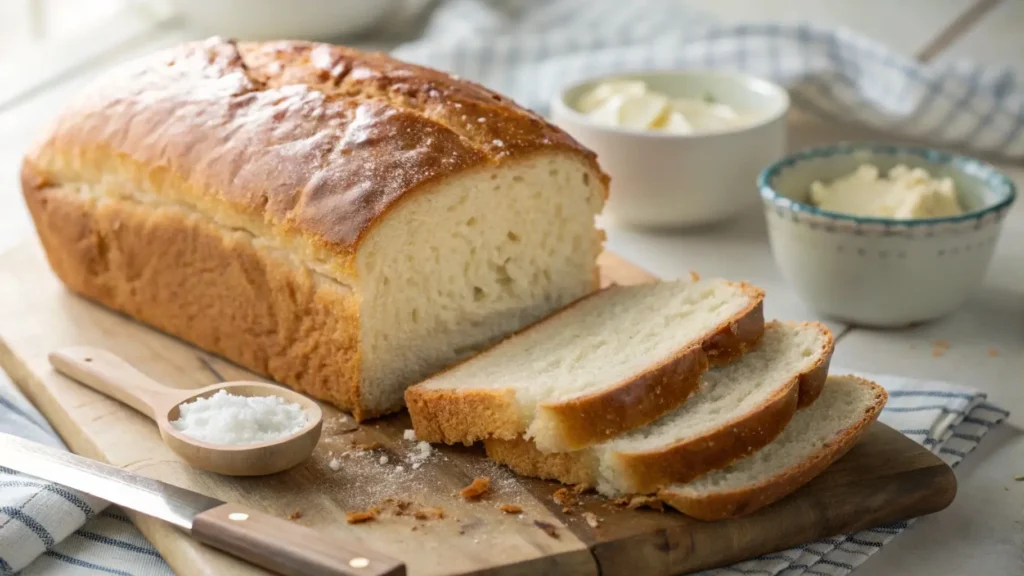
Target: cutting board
(885,478)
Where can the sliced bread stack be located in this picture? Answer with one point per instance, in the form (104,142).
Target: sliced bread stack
(675,388)
(739,408)
(607,364)
(817,436)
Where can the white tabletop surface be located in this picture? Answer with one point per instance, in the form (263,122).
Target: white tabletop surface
(982,532)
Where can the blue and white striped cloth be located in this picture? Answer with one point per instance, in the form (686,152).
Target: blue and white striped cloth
(48,529)
(530,49)
(70,533)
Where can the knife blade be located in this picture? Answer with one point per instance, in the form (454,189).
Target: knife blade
(269,542)
(151,497)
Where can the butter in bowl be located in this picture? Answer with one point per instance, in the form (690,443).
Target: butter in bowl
(683,148)
(881,235)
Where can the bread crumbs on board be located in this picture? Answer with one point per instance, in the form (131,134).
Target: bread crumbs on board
(993,352)
(360,516)
(362,482)
(477,488)
(565,497)
(503,481)
(568,498)
(511,509)
(295,515)
(393,508)
(592,520)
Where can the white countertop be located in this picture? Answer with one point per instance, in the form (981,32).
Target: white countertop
(983,531)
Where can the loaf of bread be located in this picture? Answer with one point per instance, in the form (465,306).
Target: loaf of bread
(341,222)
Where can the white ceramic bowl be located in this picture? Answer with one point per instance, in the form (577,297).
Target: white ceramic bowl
(878,271)
(283,20)
(672,180)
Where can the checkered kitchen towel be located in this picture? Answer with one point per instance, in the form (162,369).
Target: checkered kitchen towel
(66,532)
(529,49)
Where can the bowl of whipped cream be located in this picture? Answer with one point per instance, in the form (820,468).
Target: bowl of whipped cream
(683,148)
(883,235)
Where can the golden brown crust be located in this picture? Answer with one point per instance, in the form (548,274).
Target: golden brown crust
(812,383)
(450,417)
(313,141)
(647,472)
(684,461)
(304,146)
(733,340)
(454,415)
(604,415)
(587,420)
(443,415)
(577,468)
(722,505)
(220,292)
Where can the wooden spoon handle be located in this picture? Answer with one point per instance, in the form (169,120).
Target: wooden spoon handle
(106,373)
(286,547)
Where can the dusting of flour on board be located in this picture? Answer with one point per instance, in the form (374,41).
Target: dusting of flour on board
(399,466)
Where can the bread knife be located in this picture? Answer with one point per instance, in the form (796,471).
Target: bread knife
(272,543)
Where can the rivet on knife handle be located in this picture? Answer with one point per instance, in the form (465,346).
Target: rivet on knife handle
(286,547)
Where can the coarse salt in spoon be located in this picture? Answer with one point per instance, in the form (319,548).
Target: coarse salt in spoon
(233,428)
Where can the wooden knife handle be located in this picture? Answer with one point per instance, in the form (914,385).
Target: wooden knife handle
(286,547)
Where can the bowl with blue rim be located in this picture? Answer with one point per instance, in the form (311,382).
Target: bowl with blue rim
(875,271)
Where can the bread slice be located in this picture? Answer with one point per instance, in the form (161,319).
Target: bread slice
(740,407)
(816,437)
(611,362)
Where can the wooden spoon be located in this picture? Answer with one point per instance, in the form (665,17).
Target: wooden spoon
(110,375)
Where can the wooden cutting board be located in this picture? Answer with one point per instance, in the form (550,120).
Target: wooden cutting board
(883,479)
